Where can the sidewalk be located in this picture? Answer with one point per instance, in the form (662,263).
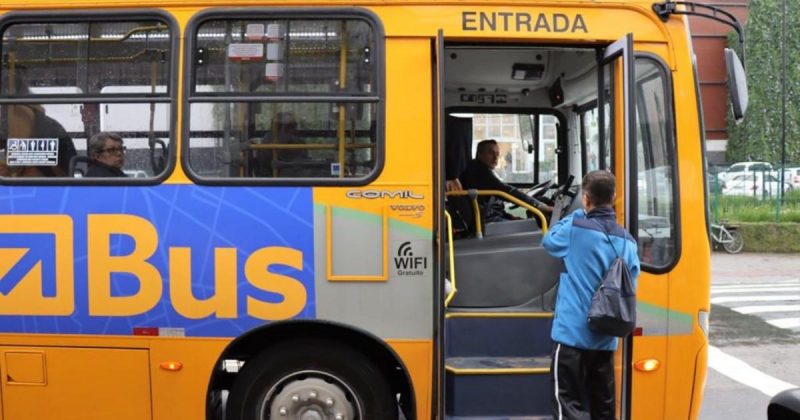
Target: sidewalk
(748,266)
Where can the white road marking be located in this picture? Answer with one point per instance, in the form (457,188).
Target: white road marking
(726,299)
(715,291)
(759,309)
(745,285)
(745,374)
(785,322)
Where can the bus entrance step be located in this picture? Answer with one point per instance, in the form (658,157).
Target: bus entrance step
(497,334)
(498,387)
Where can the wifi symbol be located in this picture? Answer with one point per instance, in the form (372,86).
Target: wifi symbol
(405,250)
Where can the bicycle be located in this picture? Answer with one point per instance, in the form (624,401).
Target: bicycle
(730,239)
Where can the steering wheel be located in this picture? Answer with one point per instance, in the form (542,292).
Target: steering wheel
(538,188)
(562,200)
(564,189)
(536,191)
(548,194)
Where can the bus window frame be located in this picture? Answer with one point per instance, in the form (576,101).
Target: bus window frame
(249,13)
(671,131)
(560,134)
(171,97)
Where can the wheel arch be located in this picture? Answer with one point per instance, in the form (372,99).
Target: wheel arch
(259,340)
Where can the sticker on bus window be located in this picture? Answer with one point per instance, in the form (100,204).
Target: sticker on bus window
(274,31)
(245,52)
(336,169)
(32,152)
(254,32)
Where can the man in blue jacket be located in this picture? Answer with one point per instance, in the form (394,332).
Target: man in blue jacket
(583,361)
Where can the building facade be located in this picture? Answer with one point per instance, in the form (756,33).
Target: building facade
(709,39)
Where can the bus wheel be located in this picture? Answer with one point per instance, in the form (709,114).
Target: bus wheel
(314,380)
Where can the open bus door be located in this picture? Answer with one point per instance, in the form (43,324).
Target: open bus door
(616,78)
(440,224)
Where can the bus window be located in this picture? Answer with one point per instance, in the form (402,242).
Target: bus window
(528,144)
(547,148)
(656,173)
(91,74)
(591,138)
(513,133)
(284,98)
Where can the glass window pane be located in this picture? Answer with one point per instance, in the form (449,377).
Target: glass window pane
(286,56)
(304,137)
(89,61)
(548,143)
(62,128)
(514,134)
(656,158)
(84,58)
(592,138)
(281,140)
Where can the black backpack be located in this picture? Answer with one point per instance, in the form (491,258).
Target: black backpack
(613,309)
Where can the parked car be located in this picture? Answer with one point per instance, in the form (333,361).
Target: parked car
(744,168)
(792,176)
(754,184)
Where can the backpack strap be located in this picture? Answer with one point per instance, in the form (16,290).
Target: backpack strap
(608,238)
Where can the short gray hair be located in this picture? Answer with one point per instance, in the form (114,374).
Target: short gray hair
(98,141)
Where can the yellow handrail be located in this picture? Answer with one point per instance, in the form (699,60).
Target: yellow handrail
(307,146)
(473,194)
(340,128)
(451,258)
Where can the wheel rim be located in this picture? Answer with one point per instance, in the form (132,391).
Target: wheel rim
(310,395)
(736,244)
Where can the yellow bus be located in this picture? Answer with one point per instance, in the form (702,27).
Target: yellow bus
(272,237)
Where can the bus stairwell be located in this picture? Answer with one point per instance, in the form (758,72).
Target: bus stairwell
(497,326)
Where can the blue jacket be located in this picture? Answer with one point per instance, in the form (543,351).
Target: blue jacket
(580,240)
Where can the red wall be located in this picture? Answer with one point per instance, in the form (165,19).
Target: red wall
(709,38)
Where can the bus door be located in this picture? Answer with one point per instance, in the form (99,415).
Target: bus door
(616,76)
(441,220)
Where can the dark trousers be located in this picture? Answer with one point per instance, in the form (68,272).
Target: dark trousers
(583,383)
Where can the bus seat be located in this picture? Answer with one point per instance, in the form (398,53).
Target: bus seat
(78,165)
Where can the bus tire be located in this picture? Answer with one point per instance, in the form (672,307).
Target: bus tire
(323,377)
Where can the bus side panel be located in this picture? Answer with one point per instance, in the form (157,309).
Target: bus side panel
(373,245)
(155,257)
(690,279)
(417,356)
(182,394)
(75,383)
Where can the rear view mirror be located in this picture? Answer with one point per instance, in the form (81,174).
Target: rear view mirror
(785,405)
(737,84)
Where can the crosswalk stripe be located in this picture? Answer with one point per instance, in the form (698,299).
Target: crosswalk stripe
(726,299)
(749,285)
(756,289)
(743,373)
(759,309)
(785,322)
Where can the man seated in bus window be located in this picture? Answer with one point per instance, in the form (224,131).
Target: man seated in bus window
(107,155)
(29,121)
(479,174)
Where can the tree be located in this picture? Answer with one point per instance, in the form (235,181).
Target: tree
(758,136)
